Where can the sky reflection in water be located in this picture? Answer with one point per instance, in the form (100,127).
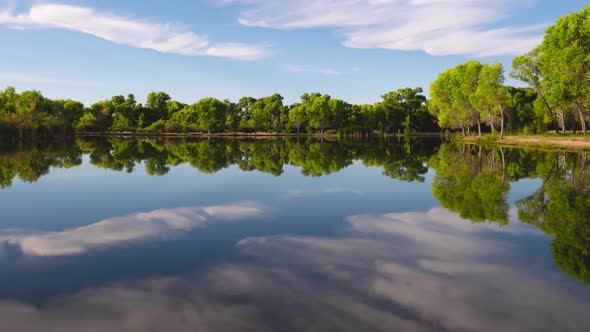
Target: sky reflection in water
(252,244)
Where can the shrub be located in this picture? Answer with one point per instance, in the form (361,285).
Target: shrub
(156,127)
(172,126)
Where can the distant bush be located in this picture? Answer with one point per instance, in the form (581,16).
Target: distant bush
(173,127)
(156,127)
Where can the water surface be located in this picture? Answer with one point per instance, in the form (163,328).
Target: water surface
(292,235)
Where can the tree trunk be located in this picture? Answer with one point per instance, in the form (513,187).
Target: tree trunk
(544,98)
(463,130)
(561,119)
(478,128)
(582,121)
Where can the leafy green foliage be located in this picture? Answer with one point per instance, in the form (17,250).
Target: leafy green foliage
(316,113)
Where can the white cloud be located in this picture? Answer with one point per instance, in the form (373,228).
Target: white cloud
(438,27)
(127,31)
(118,230)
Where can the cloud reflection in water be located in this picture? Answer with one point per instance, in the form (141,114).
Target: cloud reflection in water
(119,230)
(404,271)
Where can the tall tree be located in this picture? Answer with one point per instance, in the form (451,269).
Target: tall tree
(414,103)
(31,106)
(444,102)
(394,111)
(297,116)
(156,107)
(491,97)
(244,107)
(565,63)
(233,116)
(211,113)
(319,112)
(527,68)
(467,75)
(8,100)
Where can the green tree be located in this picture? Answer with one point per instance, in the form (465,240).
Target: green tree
(156,108)
(297,116)
(233,116)
(415,107)
(340,112)
(125,113)
(527,68)
(244,107)
(269,113)
(319,113)
(173,107)
(31,106)
(565,64)
(211,113)
(444,102)
(394,112)
(523,115)
(468,76)
(8,100)
(187,117)
(99,117)
(491,97)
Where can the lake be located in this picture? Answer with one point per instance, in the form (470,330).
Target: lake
(304,234)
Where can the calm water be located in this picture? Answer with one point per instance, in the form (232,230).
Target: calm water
(287,235)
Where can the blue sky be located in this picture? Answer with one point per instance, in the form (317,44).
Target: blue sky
(352,49)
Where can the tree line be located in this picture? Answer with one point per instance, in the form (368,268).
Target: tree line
(557,72)
(403,110)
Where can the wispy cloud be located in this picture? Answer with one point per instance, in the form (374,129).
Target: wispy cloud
(438,27)
(164,38)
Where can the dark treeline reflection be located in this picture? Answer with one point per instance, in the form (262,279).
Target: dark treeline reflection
(470,180)
(401,159)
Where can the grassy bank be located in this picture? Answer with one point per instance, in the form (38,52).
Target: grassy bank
(548,141)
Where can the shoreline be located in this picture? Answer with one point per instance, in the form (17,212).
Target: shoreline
(571,142)
(250,135)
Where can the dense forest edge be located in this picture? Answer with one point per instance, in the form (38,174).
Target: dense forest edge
(470,99)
